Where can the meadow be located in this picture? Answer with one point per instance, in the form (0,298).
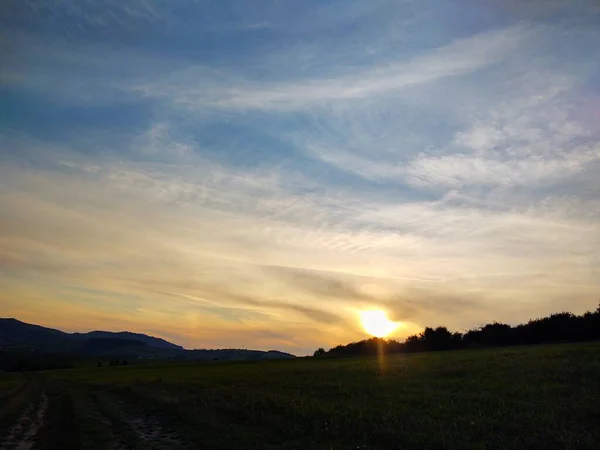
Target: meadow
(540,397)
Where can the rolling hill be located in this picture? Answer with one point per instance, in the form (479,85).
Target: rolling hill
(21,336)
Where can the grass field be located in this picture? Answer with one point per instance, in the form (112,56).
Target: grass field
(529,397)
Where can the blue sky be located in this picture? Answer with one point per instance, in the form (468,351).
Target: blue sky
(255,173)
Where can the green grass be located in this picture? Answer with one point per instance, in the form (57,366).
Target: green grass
(523,397)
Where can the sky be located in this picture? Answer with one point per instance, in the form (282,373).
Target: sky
(253,174)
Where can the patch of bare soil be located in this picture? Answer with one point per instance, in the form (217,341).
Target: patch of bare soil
(146,428)
(150,430)
(116,443)
(22,435)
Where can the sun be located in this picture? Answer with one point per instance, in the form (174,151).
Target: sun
(376,323)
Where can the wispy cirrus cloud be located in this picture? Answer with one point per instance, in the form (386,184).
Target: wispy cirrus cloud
(461,57)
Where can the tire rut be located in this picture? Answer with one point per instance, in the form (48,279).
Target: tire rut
(151,431)
(117,443)
(22,435)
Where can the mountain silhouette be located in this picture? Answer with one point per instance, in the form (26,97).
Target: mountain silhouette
(20,336)
(15,332)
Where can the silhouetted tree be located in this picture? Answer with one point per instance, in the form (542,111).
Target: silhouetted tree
(560,327)
(319,352)
(490,335)
(437,339)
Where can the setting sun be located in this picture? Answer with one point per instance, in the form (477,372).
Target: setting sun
(376,323)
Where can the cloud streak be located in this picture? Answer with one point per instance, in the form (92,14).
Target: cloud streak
(461,57)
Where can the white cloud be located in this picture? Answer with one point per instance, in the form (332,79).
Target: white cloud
(456,171)
(530,141)
(458,58)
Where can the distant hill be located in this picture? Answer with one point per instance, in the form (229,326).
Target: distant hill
(102,346)
(150,341)
(20,336)
(13,331)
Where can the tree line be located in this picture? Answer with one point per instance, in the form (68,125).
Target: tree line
(560,327)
